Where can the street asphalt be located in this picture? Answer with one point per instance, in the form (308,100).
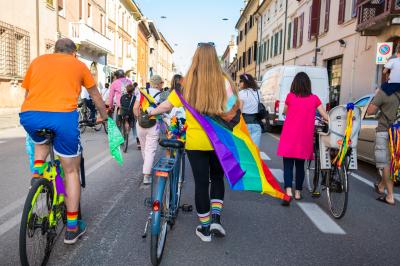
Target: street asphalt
(259,230)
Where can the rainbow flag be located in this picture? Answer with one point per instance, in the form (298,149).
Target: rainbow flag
(239,156)
(146,101)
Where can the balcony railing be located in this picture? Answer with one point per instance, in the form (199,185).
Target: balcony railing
(374,15)
(84,35)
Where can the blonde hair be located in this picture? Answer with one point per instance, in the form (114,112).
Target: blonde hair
(205,88)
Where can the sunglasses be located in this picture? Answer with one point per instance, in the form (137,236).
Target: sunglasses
(201,44)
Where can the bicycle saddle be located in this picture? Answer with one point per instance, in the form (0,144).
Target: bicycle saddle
(171,143)
(47,133)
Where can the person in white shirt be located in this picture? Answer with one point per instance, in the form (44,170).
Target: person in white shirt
(105,92)
(392,66)
(249,96)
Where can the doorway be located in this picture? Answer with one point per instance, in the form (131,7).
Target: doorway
(334,67)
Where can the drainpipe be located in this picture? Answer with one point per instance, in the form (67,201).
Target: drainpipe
(259,45)
(284,34)
(57,21)
(37,29)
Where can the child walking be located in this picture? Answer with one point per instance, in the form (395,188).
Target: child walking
(296,142)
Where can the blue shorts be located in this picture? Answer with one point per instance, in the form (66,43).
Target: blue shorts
(66,142)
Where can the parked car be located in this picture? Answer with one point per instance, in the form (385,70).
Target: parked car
(276,83)
(369,123)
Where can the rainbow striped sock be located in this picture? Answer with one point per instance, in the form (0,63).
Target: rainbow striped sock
(216,206)
(37,168)
(72,221)
(205,219)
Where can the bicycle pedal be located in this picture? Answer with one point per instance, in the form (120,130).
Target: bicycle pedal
(316,194)
(187,208)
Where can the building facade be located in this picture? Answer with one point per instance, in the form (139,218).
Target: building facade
(123,17)
(246,40)
(21,40)
(144,35)
(165,64)
(84,22)
(229,57)
(339,35)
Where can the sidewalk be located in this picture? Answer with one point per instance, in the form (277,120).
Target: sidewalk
(9,118)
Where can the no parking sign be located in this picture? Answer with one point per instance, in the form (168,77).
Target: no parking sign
(383,52)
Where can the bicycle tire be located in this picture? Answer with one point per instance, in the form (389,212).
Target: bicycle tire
(34,193)
(157,241)
(338,209)
(105,127)
(181,178)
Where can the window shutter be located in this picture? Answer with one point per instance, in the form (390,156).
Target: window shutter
(342,11)
(301,29)
(315,16)
(280,41)
(255,51)
(295,27)
(327,12)
(289,39)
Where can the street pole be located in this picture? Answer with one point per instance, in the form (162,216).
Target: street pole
(58,21)
(259,45)
(284,34)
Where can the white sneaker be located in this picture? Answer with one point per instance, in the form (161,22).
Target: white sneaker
(217,230)
(146,180)
(203,233)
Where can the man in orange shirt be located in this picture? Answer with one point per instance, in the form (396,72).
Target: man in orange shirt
(53,84)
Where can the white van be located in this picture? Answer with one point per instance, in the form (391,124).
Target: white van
(276,83)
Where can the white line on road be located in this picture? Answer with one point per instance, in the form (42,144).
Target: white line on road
(264,156)
(278,174)
(320,219)
(371,184)
(274,136)
(9,224)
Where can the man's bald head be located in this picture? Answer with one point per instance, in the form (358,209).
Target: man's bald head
(65,46)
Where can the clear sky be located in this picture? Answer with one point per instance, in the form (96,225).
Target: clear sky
(189,22)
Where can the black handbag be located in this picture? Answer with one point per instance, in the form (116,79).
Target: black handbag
(261,115)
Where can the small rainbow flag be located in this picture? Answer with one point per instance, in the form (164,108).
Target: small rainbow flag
(146,101)
(239,156)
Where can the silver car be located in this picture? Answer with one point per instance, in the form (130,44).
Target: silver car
(369,123)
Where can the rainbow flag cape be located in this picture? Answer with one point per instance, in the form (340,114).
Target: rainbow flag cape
(146,101)
(239,156)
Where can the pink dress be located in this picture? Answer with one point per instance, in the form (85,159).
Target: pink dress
(298,130)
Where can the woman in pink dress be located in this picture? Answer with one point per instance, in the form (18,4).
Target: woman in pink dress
(296,142)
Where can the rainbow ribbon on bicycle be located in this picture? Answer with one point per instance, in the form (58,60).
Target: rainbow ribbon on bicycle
(346,141)
(394,144)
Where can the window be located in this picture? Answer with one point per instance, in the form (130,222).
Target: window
(315,12)
(271,46)
(14,51)
(301,29)
(276,44)
(251,22)
(255,51)
(289,38)
(280,42)
(295,28)
(324,17)
(245,28)
(241,35)
(244,59)
(49,47)
(89,10)
(237,40)
(347,10)
(266,51)
(61,9)
(249,57)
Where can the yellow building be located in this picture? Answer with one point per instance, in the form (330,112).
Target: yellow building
(143,53)
(247,40)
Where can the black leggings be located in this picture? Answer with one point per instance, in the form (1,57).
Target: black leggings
(288,164)
(206,166)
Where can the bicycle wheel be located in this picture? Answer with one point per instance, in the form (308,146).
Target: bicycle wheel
(82,122)
(35,237)
(180,182)
(157,242)
(126,138)
(337,191)
(105,127)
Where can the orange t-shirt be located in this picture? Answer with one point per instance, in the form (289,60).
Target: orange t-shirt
(53,82)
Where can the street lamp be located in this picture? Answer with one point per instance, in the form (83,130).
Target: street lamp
(163,17)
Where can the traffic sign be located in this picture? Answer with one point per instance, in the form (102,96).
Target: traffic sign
(384,51)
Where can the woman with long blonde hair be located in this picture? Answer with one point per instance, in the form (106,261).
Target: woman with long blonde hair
(210,92)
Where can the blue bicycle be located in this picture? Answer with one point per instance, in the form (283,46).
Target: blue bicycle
(166,188)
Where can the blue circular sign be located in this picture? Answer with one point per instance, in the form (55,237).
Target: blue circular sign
(384,49)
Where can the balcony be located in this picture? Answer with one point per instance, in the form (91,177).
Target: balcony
(374,15)
(88,37)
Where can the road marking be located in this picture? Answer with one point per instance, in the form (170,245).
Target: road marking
(11,207)
(264,156)
(274,136)
(278,174)
(320,219)
(10,224)
(371,184)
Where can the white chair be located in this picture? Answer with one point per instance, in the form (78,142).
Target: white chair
(333,139)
